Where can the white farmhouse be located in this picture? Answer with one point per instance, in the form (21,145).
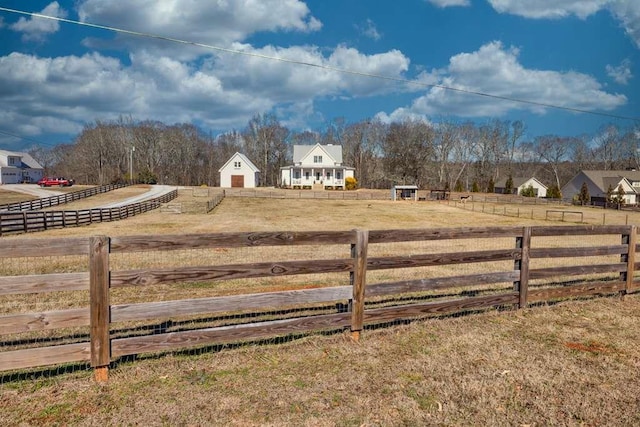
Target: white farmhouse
(316,167)
(519,184)
(19,167)
(239,172)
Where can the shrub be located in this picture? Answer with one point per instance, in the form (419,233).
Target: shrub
(528,191)
(350,183)
(554,192)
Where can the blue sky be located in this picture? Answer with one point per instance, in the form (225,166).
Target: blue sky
(55,77)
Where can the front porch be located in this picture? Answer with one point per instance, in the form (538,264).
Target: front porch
(316,179)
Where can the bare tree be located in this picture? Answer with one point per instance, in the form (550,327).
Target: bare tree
(267,144)
(554,151)
(407,148)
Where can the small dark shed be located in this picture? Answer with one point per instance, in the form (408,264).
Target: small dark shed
(404,192)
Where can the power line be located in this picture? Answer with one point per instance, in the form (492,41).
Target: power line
(321,66)
(35,141)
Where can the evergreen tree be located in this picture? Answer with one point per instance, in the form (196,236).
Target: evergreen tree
(458,187)
(508,186)
(610,198)
(475,188)
(554,192)
(584,198)
(490,186)
(620,196)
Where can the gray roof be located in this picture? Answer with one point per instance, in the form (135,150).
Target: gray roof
(517,181)
(334,151)
(602,178)
(27,160)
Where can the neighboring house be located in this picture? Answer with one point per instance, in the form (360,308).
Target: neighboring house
(598,182)
(317,167)
(520,183)
(19,167)
(239,172)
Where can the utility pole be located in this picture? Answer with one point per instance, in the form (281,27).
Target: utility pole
(133,148)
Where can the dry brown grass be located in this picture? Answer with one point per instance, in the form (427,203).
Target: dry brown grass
(7,196)
(574,363)
(571,364)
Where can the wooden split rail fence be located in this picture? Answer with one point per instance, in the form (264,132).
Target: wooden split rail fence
(370,251)
(47,202)
(28,221)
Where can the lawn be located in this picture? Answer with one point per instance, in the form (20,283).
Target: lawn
(572,363)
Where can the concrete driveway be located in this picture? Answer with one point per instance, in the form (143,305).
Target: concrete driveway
(154,191)
(32,190)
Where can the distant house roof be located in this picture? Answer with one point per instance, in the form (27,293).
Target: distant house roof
(517,181)
(25,158)
(242,158)
(334,151)
(602,179)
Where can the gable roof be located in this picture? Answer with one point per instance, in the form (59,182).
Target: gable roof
(242,158)
(333,151)
(602,178)
(25,158)
(518,181)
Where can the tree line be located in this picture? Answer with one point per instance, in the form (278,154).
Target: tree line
(461,156)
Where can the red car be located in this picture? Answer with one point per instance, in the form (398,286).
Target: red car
(55,182)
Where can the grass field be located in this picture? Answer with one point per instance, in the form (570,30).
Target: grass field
(573,363)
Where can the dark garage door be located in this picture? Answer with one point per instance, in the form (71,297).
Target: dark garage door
(237,181)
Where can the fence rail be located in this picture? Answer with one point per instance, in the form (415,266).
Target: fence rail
(47,202)
(308,194)
(29,221)
(106,343)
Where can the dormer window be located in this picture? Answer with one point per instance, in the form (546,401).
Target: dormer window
(317,159)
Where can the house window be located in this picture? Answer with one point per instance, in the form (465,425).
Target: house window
(338,175)
(306,175)
(317,159)
(236,165)
(328,175)
(296,175)
(11,160)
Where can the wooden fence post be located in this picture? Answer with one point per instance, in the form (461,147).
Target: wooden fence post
(358,281)
(99,306)
(629,239)
(522,264)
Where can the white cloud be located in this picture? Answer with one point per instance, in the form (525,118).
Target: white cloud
(220,92)
(217,23)
(626,11)
(448,3)
(496,71)
(401,115)
(549,8)
(622,73)
(370,30)
(38,28)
